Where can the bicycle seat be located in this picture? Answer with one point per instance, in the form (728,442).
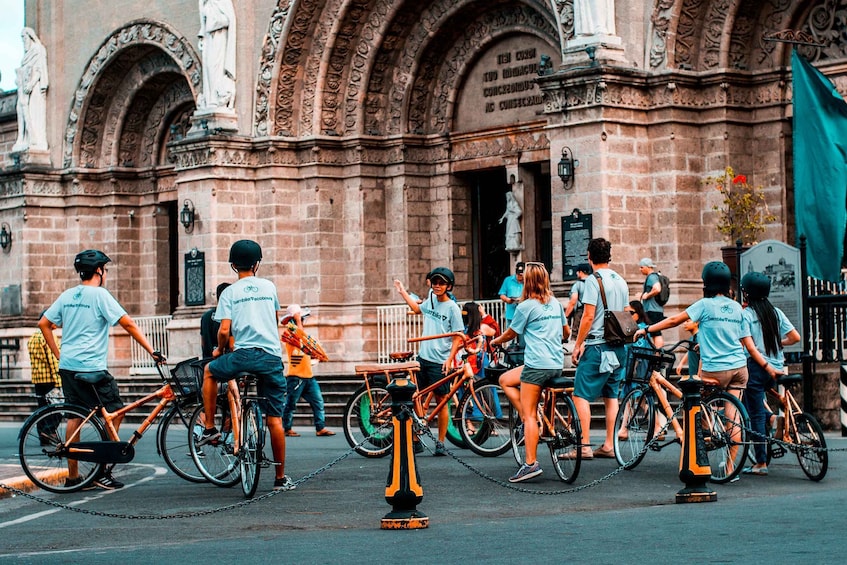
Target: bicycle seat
(560,382)
(401,356)
(788,380)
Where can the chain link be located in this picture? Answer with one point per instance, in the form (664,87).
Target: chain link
(793,447)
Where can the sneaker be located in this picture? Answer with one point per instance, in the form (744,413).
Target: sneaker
(210,435)
(285,483)
(71,482)
(526,472)
(108,482)
(440,450)
(419,448)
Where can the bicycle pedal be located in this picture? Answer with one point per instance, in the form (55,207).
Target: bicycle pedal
(777,451)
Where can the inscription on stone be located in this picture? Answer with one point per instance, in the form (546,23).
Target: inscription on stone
(195,278)
(576,233)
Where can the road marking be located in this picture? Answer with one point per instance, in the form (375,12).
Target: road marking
(157,471)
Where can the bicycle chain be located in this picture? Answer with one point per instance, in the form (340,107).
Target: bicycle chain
(512,486)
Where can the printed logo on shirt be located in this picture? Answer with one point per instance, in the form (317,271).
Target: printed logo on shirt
(726,309)
(251,289)
(77,294)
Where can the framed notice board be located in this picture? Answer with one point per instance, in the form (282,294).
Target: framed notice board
(576,233)
(195,278)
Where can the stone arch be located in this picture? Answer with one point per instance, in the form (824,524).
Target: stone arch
(134,70)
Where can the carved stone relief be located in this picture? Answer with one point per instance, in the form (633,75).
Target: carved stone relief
(116,57)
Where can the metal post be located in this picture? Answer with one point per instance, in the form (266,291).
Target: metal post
(694,468)
(843,388)
(403,491)
(806,357)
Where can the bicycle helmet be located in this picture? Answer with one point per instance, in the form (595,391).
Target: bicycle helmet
(756,285)
(245,253)
(444,273)
(716,278)
(90,260)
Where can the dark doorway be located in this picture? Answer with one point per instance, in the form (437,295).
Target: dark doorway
(490,258)
(173,255)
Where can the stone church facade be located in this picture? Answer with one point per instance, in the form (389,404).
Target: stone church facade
(375,139)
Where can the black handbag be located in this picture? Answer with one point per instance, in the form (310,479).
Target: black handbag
(618,326)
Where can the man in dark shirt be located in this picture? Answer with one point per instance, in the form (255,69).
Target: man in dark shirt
(209,327)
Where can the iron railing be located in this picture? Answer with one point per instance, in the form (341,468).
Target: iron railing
(155,328)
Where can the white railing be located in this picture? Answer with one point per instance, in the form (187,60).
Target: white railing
(155,328)
(396,323)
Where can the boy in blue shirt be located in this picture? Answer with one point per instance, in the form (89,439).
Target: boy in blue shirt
(440,315)
(85,313)
(248,312)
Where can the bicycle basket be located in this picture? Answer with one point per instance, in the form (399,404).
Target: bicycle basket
(187,378)
(642,361)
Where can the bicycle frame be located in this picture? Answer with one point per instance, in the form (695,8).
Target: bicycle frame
(789,408)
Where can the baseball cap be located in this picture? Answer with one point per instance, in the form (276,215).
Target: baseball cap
(519,268)
(293,310)
(646,262)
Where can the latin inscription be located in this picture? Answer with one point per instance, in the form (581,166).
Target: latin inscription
(511,67)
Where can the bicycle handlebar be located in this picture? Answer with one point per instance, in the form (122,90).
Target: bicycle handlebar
(685,344)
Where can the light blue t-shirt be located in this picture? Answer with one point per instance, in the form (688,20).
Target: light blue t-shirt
(251,304)
(513,289)
(617,297)
(754,328)
(720,333)
(541,326)
(439,318)
(651,305)
(85,314)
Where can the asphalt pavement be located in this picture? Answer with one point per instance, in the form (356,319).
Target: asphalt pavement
(474,514)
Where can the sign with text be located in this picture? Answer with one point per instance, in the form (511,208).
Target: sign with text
(781,263)
(500,89)
(195,278)
(576,233)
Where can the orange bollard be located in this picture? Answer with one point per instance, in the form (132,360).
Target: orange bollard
(403,491)
(694,468)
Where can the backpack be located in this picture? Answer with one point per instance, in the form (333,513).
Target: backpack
(665,292)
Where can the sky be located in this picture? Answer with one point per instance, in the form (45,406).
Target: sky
(11,47)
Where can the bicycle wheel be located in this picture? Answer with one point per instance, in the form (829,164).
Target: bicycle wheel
(516,435)
(368,422)
(250,453)
(483,424)
(810,435)
(215,461)
(172,441)
(565,446)
(43,455)
(634,427)
(725,424)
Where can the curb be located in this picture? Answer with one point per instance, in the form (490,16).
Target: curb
(23,483)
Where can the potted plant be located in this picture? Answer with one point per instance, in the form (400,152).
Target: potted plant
(742,214)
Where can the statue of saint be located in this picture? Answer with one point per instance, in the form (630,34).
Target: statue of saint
(512,216)
(594,17)
(217,44)
(31,79)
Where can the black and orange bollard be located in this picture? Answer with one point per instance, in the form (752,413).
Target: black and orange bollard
(694,468)
(403,490)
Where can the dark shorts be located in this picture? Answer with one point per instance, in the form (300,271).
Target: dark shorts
(103,393)
(431,373)
(655,318)
(267,367)
(539,376)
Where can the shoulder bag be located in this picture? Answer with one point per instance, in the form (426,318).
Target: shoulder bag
(618,326)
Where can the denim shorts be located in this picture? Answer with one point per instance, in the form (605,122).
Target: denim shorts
(258,362)
(590,382)
(430,373)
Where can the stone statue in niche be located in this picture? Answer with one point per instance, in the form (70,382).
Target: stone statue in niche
(32,82)
(594,17)
(512,217)
(217,44)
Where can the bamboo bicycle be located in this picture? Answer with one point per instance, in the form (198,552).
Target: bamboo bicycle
(239,453)
(475,406)
(723,416)
(559,428)
(798,432)
(47,458)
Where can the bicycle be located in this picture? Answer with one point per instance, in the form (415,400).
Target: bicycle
(95,444)
(722,416)
(473,423)
(798,431)
(238,455)
(559,428)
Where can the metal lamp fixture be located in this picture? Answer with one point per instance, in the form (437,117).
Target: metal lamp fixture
(186,215)
(5,236)
(566,167)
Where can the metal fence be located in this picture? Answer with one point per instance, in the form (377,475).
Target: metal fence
(396,323)
(827,304)
(155,328)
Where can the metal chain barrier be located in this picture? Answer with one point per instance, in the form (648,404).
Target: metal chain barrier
(419,424)
(179,515)
(792,446)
